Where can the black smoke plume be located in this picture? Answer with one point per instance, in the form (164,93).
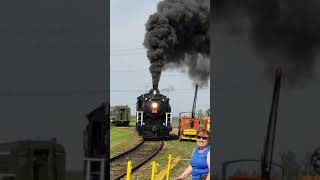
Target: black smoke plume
(284,32)
(177,36)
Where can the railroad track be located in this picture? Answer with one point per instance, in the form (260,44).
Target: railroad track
(139,155)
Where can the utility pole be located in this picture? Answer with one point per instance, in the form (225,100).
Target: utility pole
(267,154)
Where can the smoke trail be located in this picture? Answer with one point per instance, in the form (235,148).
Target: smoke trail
(178,35)
(284,32)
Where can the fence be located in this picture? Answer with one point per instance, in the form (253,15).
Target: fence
(154,174)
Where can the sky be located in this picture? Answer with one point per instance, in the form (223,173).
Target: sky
(53,70)
(129,73)
(242,95)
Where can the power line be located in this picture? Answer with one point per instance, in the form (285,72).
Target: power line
(56,29)
(129,49)
(132,54)
(52,93)
(124,51)
(143,90)
(78,92)
(146,70)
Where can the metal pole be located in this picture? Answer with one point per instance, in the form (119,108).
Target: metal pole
(267,154)
(168,170)
(88,169)
(153,171)
(129,166)
(102,169)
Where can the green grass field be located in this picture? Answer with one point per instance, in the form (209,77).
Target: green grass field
(118,136)
(122,139)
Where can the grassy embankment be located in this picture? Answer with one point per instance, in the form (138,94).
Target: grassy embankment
(122,139)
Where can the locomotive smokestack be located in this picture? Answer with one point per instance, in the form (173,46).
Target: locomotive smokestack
(155,86)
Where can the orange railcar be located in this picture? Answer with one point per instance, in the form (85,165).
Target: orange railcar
(188,126)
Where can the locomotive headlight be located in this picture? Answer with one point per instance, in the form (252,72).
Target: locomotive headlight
(154,105)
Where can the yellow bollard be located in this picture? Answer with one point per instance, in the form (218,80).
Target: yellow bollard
(154,170)
(129,168)
(168,170)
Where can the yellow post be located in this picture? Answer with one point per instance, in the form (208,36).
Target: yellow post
(154,170)
(168,170)
(129,168)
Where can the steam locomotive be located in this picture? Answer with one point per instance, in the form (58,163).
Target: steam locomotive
(153,115)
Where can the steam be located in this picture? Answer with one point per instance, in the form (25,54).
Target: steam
(177,36)
(284,32)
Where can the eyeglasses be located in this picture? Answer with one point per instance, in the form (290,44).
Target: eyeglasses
(202,137)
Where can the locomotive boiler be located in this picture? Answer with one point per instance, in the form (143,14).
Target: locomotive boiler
(153,115)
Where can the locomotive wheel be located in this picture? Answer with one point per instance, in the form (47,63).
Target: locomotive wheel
(315,161)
